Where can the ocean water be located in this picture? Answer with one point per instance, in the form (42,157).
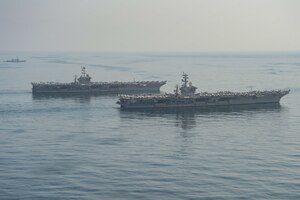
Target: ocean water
(85,147)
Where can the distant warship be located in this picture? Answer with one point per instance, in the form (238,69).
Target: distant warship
(15,60)
(84,85)
(187,97)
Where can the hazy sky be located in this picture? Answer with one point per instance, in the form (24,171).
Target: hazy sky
(150,25)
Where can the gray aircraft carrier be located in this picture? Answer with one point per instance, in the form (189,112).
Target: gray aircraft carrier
(84,85)
(187,97)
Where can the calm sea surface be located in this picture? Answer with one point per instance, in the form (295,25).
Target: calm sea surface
(84,147)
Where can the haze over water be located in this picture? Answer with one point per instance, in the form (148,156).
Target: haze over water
(84,147)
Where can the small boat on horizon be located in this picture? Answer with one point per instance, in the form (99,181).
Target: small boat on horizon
(15,60)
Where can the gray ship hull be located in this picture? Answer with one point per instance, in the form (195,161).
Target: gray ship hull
(125,88)
(201,102)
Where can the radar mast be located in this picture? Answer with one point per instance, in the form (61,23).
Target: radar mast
(83,71)
(185,79)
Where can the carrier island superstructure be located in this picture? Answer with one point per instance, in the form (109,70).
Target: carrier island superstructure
(186,96)
(84,85)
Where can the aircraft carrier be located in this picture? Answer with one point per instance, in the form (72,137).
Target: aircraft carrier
(187,97)
(84,85)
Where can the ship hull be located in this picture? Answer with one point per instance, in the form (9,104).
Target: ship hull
(205,102)
(14,61)
(96,89)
